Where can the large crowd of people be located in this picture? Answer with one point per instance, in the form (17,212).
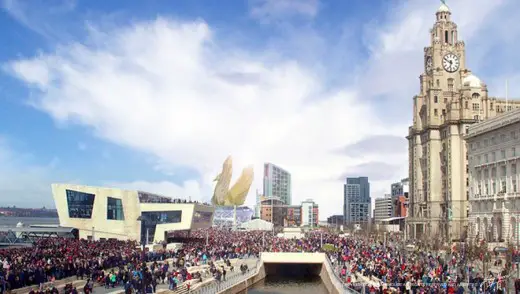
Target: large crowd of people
(360,262)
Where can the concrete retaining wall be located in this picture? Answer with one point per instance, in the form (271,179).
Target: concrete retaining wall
(246,283)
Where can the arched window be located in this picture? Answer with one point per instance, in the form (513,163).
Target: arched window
(445,36)
(450,84)
(466,104)
(475,96)
(452,37)
(435,99)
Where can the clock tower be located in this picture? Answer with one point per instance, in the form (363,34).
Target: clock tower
(432,181)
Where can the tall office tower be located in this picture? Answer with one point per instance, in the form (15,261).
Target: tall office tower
(277,183)
(357,202)
(450,99)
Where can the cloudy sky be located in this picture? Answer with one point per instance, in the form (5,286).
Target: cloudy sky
(154,95)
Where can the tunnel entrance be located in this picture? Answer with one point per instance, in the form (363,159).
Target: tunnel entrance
(292,270)
(290,278)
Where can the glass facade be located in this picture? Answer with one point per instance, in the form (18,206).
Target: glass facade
(80,204)
(152,218)
(115,209)
(202,217)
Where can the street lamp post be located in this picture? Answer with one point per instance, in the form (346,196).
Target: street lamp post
(143,241)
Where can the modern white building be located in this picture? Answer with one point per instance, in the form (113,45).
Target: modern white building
(383,208)
(108,213)
(309,214)
(493,156)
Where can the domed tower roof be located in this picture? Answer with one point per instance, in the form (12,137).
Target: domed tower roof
(472,81)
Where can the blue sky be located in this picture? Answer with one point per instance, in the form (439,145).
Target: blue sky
(154,95)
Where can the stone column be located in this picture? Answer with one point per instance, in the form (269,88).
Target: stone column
(495,229)
(506,221)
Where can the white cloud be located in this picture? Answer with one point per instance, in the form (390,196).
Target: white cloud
(193,106)
(189,190)
(173,90)
(267,10)
(39,16)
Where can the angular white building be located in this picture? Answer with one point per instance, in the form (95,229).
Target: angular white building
(108,213)
(493,156)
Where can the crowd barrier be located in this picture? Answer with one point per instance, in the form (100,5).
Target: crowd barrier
(232,279)
(336,279)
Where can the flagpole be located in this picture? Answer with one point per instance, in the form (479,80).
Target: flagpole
(507,94)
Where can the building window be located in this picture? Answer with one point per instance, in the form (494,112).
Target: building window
(450,84)
(486,158)
(435,112)
(80,204)
(503,154)
(487,189)
(434,99)
(493,141)
(513,185)
(503,137)
(162,217)
(115,209)
(513,152)
(466,104)
(494,188)
(475,96)
(476,106)
(503,186)
(491,105)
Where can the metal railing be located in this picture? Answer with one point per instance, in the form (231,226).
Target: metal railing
(336,279)
(231,280)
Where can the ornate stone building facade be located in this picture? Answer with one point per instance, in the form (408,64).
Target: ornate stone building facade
(494,157)
(451,98)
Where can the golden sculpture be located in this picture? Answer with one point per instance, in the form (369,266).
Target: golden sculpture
(237,194)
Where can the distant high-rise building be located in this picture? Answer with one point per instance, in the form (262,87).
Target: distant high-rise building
(400,188)
(357,202)
(277,183)
(383,208)
(309,213)
(400,192)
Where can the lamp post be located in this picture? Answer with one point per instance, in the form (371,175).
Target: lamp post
(143,226)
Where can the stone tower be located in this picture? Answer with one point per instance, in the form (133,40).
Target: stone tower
(450,99)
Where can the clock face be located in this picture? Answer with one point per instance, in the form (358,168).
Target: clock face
(429,64)
(450,62)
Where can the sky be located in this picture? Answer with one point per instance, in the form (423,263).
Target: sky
(154,95)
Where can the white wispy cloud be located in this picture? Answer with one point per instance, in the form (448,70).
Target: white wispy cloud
(39,16)
(171,89)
